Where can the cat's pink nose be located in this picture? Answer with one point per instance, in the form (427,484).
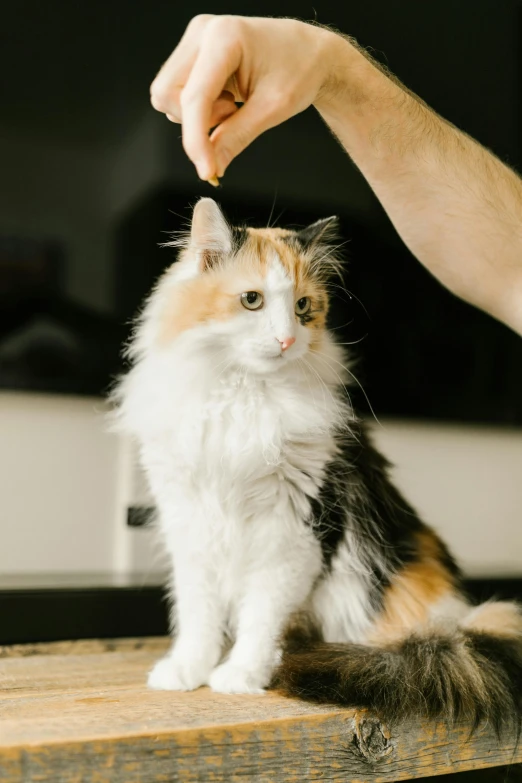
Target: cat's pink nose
(286,342)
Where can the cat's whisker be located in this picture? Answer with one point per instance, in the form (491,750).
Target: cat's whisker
(335,263)
(333,287)
(223,371)
(334,249)
(321,382)
(184,218)
(279,216)
(342,326)
(336,404)
(216,365)
(347,369)
(272,209)
(353,342)
(221,352)
(339,378)
(351,293)
(302,365)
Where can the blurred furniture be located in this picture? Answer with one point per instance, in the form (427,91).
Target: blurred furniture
(37,608)
(49,343)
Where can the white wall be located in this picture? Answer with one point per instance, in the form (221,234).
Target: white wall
(58,483)
(466,481)
(65,484)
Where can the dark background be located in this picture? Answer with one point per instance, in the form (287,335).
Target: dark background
(92,178)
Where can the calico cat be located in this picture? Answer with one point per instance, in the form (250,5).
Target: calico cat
(295,561)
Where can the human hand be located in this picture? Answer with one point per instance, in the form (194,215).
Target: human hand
(275,67)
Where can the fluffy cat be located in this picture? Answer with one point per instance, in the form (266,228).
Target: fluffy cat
(295,561)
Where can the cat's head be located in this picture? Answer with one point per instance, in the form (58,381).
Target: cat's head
(257,295)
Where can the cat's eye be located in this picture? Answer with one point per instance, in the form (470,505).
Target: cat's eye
(303,305)
(252,300)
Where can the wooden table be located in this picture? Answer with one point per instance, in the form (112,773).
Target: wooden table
(79,712)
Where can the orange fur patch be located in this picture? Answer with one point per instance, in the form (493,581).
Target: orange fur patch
(195,301)
(214,294)
(413,591)
(268,240)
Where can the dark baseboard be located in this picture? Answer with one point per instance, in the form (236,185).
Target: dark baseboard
(48,615)
(55,614)
(501,589)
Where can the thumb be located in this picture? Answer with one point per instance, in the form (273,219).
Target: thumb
(258,114)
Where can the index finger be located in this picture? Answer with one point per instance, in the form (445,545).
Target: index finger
(218,59)
(168,83)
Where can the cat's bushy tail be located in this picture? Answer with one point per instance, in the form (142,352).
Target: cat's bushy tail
(471,673)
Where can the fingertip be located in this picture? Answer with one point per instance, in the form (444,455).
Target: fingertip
(222,155)
(221,165)
(205,169)
(197,151)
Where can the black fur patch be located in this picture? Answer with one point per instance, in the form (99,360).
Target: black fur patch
(329,513)
(450,564)
(358,494)
(324,231)
(239,237)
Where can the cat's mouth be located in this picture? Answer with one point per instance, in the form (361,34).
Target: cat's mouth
(268,362)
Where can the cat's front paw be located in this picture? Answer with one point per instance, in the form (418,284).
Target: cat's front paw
(230,678)
(177,674)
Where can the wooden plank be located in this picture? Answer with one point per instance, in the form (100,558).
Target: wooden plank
(83,715)
(84,647)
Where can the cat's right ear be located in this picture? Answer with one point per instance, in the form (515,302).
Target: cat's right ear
(210,234)
(322,232)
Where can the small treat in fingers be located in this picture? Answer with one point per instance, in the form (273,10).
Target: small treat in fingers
(213,181)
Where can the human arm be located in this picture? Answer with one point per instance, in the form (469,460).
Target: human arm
(456,206)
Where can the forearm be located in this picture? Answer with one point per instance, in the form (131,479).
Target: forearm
(455,205)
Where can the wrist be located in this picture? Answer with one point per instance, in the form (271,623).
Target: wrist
(370,112)
(350,79)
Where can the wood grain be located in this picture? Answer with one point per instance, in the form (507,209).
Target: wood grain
(80,713)
(84,647)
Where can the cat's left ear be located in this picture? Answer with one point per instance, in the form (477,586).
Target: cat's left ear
(322,232)
(210,234)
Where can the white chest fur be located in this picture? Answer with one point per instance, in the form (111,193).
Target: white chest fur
(234,435)
(233,460)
